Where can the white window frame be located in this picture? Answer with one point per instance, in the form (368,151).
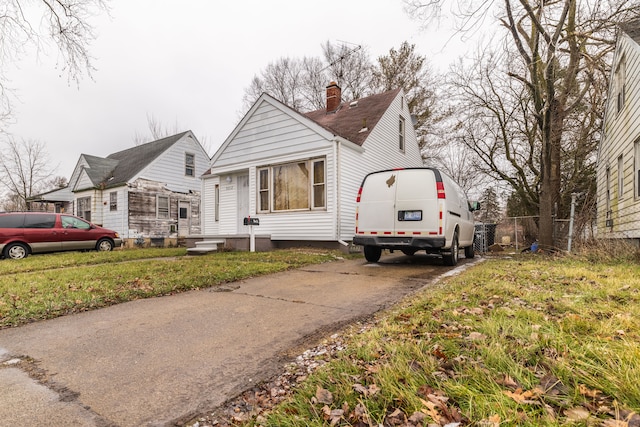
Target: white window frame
(620,83)
(620,177)
(636,168)
(401,134)
(216,202)
(161,212)
(82,203)
(313,187)
(113,201)
(189,164)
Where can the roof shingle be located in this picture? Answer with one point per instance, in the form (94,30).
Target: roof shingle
(355,120)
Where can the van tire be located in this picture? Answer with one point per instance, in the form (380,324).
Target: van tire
(451,258)
(104,245)
(409,252)
(372,253)
(469,251)
(16,251)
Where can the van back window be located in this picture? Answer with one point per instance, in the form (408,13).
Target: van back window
(40,221)
(11,221)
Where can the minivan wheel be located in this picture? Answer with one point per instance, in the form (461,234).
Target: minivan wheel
(372,253)
(16,251)
(104,245)
(452,257)
(409,252)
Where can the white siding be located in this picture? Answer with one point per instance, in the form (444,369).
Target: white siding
(268,134)
(83,181)
(622,129)
(210,225)
(116,220)
(169,167)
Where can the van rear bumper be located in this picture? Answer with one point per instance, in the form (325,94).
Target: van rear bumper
(400,242)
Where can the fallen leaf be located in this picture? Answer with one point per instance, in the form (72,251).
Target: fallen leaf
(586,391)
(492,421)
(577,413)
(359,388)
(509,382)
(324,396)
(523,397)
(476,336)
(615,423)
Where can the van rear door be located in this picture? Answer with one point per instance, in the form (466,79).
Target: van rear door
(376,207)
(417,204)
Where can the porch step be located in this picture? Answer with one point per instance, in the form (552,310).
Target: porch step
(205,246)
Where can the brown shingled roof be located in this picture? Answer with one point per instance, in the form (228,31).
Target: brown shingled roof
(354,121)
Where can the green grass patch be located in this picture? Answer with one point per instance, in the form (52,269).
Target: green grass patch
(41,287)
(528,341)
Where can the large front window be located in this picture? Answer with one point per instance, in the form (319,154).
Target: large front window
(292,186)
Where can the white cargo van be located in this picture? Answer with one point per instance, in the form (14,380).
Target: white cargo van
(414,209)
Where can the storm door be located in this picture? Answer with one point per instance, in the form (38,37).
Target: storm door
(243,202)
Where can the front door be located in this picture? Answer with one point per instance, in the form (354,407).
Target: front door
(184,218)
(243,202)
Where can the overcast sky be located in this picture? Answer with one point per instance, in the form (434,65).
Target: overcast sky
(188,62)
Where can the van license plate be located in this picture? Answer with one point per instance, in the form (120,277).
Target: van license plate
(409,215)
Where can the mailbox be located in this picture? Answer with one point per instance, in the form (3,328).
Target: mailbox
(251,221)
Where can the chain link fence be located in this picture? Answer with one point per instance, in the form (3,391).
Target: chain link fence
(519,233)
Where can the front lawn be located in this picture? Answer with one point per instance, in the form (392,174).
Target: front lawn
(46,286)
(528,341)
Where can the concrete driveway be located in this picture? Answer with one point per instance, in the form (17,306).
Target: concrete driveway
(152,362)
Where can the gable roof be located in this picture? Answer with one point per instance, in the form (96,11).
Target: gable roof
(354,121)
(134,159)
(120,167)
(98,168)
(632,29)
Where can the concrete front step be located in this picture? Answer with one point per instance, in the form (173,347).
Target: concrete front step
(205,246)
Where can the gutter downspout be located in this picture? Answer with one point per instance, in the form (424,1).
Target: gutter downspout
(337,196)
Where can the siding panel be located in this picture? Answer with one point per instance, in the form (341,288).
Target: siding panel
(622,129)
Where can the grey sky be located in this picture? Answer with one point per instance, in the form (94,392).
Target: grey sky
(188,62)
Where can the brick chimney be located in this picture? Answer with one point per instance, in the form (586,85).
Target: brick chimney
(334,97)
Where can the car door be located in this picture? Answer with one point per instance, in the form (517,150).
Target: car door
(77,233)
(41,233)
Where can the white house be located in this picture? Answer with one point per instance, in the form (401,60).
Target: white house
(618,174)
(299,174)
(147,193)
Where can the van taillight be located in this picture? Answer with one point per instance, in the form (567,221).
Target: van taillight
(440,189)
(358,196)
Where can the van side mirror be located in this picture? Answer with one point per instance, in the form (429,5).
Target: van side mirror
(474,206)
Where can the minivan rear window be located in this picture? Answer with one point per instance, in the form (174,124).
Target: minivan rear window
(40,221)
(11,221)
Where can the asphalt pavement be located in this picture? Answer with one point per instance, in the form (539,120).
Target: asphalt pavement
(160,361)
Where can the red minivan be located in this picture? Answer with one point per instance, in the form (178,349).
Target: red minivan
(24,233)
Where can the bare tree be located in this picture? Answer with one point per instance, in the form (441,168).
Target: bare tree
(24,171)
(156,130)
(25,24)
(351,67)
(301,83)
(560,50)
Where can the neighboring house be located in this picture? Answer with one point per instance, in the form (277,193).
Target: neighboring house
(618,174)
(299,174)
(149,193)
